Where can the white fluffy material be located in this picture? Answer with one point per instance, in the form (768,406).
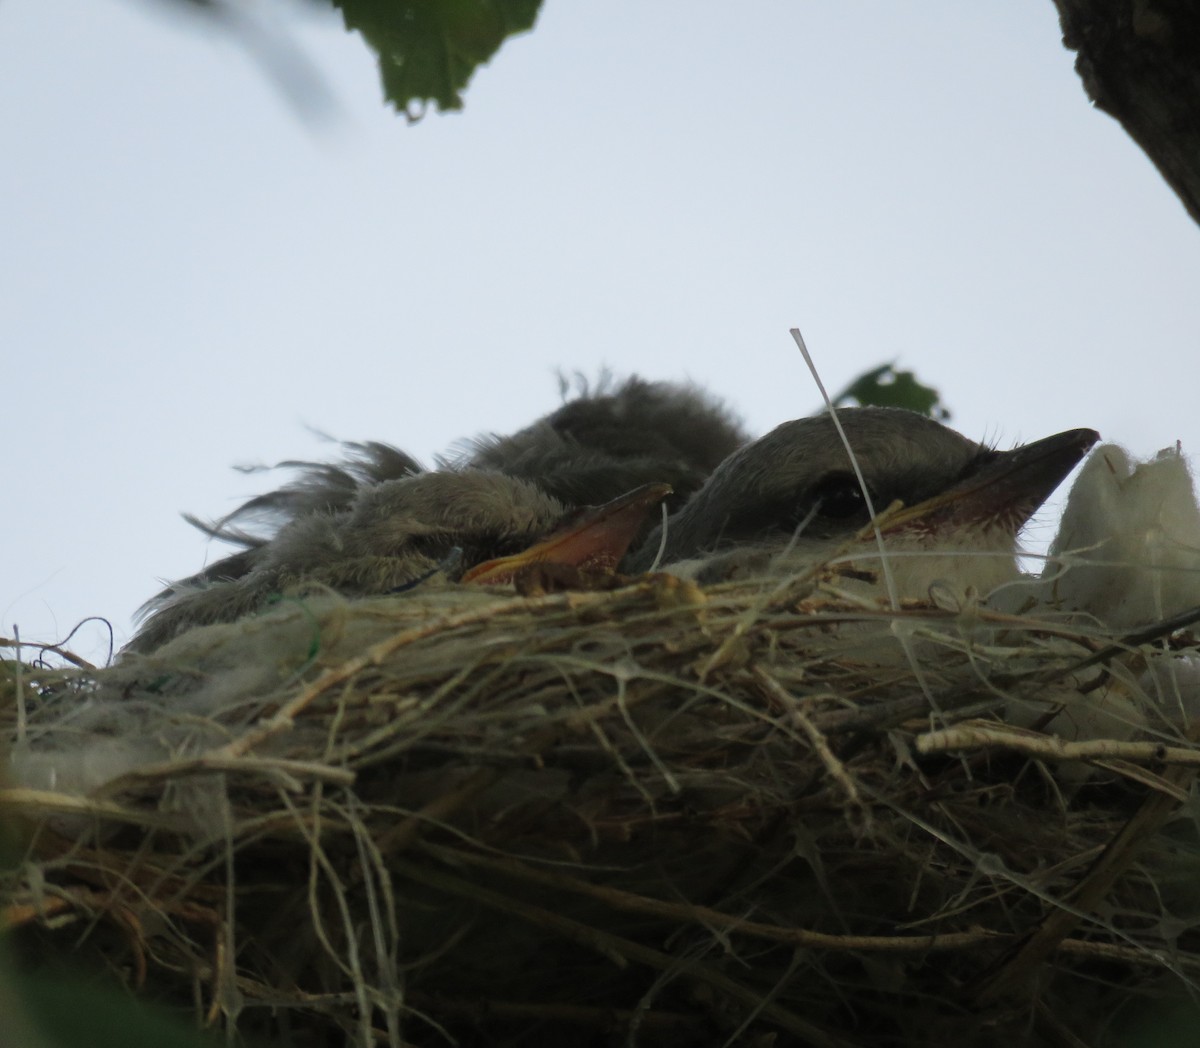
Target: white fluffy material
(1128,548)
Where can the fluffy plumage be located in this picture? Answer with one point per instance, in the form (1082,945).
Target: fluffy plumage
(390,535)
(376,522)
(611,439)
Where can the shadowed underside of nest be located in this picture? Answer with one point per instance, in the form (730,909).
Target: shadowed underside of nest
(654,816)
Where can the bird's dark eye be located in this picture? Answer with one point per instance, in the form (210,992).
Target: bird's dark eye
(838,496)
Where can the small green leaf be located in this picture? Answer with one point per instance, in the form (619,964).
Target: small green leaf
(886,387)
(429,49)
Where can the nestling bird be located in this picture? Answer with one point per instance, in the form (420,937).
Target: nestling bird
(792,498)
(612,439)
(376,522)
(403,532)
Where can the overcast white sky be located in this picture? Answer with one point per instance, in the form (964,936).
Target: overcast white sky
(190,274)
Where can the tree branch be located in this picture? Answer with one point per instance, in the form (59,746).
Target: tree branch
(1140,63)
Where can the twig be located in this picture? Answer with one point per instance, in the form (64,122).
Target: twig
(980,735)
(820,745)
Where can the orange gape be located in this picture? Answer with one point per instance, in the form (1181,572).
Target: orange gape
(593,540)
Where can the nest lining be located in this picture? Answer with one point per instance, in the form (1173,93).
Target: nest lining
(657,815)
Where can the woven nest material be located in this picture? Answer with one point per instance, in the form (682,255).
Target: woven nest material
(652,816)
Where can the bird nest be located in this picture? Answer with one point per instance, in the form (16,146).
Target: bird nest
(658,815)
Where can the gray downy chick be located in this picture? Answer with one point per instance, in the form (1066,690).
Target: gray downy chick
(377,522)
(423,529)
(612,439)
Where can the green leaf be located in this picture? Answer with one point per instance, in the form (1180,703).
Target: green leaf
(886,387)
(429,49)
(65,1011)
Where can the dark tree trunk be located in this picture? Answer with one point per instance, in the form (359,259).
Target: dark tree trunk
(1140,62)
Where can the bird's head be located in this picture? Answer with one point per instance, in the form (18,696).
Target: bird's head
(796,488)
(589,540)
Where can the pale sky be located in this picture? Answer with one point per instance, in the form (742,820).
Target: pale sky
(191,274)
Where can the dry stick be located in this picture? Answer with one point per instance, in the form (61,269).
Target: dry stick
(1111,951)
(631,902)
(1155,631)
(62,653)
(619,950)
(1020,965)
(820,745)
(973,735)
(1110,754)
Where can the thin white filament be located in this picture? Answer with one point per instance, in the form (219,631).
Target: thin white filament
(889,581)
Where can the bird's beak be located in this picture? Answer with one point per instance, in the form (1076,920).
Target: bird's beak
(595,539)
(1004,493)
